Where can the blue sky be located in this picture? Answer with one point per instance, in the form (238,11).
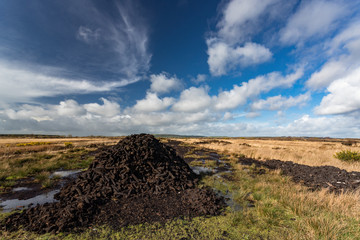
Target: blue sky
(200,67)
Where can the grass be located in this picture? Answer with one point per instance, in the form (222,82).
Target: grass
(32,144)
(205,163)
(283,210)
(348,156)
(312,153)
(271,207)
(39,165)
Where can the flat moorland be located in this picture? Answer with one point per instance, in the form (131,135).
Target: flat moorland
(263,202)
(308,152)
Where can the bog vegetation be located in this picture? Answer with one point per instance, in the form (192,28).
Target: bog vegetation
(262,206)
(348,156)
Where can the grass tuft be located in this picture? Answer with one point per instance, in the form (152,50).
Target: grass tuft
(348,156)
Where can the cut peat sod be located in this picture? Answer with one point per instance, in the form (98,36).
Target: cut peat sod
(314,177)
(136,181)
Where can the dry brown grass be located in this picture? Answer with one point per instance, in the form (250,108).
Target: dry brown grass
(9,147)
(312,153)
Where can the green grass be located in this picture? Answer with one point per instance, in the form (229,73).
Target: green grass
(32,144)
(35,164)
(348,156)
(206,163)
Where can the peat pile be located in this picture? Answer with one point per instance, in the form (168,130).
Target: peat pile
(315,177)
(138,180)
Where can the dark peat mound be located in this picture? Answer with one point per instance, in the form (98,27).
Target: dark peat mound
(136,181)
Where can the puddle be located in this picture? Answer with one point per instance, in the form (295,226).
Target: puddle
(9,205)
(19,189)
(65,173)
(231,203)
(206,170)
(48,197)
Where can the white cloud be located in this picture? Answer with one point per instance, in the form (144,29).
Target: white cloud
(108,109)
(337,126)
(22,84)
(343,97)
(88,35)
(347,43)
(280,103)
(252,114)
(128,36)
(199,78)
(69,108)
(238,15)
(153,103)
(163,83)
(223,58)
(80,119)
(329,72)
(231,48)
(313,19)
(193,100)
(340,74)
(228,116)
(240,94)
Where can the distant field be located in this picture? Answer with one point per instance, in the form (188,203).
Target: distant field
(312,152)
(269,205)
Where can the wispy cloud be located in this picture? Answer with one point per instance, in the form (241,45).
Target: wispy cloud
(20,83)
(313,19)
(88,35)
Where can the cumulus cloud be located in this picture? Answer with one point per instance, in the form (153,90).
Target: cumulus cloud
(200,78)
(69,108)
(343,95)
(340,74)
(153,103)
(337,126)
(230,48)
(70,117)
(280,103)
(312,19)
(163,83)
(223,57)
(240,94)
(108,109)
(193,100)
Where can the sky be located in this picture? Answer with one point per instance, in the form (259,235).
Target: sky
(191,67)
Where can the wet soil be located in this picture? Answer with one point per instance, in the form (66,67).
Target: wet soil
(138,180)
(202,154)
(315,177)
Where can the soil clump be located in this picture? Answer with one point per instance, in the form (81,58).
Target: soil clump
(315,177)
(138,180)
